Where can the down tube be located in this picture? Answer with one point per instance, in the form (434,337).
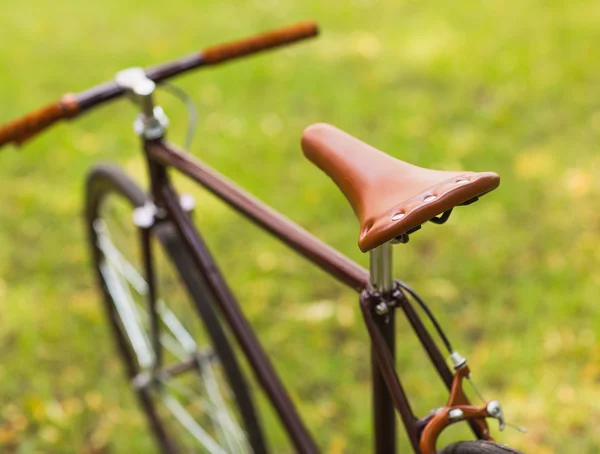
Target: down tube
(245,337)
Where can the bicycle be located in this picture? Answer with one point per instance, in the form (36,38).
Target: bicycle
(160,351)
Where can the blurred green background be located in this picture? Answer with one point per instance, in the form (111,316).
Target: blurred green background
(510,86)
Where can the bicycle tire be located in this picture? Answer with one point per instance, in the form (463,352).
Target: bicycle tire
(108,180)
(478,447)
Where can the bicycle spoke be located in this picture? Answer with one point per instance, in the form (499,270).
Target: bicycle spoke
(129,290)
(113,254)
(227,430)
(171,345)
(123,303)
(128,271)
(195,400)
(175,326)
(191,425)
(214,392)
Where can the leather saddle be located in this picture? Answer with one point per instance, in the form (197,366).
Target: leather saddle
(390,197)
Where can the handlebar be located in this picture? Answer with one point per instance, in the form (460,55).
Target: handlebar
(275,38)
(72,105)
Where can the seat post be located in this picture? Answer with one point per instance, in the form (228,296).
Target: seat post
(382,268)
(384,415)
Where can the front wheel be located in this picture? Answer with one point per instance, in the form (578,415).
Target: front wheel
(478,447)
(192,390)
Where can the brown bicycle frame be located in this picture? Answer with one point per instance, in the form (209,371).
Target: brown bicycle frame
(388,393)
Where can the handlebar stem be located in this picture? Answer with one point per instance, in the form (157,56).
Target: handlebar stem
(152,122)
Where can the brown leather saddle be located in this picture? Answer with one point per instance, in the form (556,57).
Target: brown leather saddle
(390,197)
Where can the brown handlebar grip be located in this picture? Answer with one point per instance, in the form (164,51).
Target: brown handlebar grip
(223,52)
(18,131)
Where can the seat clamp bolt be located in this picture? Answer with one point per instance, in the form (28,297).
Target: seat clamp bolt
(381,309)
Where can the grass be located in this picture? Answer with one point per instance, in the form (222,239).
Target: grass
(508,86)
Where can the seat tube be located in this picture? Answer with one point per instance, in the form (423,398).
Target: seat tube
(384,417)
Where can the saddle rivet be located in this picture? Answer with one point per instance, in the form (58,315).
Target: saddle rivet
(429,198)
(398,216)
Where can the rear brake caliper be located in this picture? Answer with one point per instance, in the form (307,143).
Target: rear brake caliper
(458,408)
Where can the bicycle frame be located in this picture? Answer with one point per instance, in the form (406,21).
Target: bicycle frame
(387,391)
(375,288)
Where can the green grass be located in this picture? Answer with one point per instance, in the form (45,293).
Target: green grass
(508,86)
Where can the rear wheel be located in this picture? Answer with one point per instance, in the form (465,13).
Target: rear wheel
(198,399)
(478,447)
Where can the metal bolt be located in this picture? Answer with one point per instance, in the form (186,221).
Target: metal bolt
(381,309)
(494,409)
(455,414)
(151,126)
(143,216)
(187,202)
(458,360)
